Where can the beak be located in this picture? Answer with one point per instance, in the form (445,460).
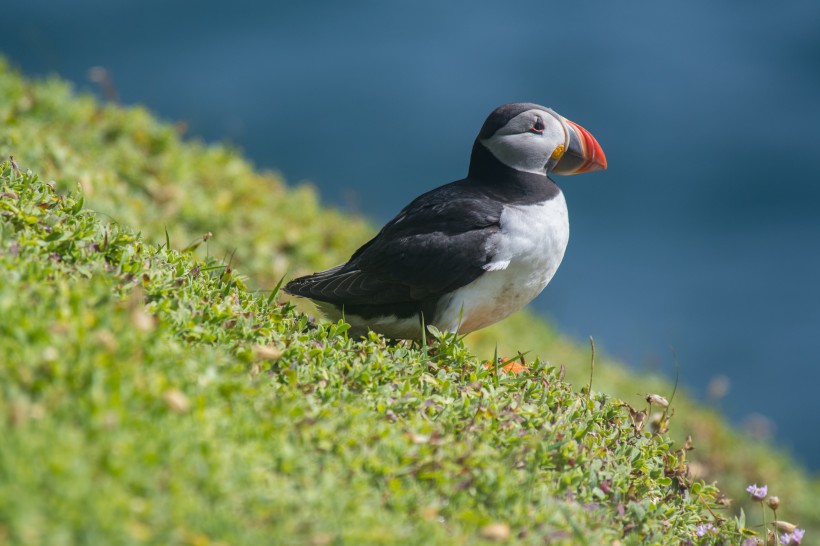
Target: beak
(583,154)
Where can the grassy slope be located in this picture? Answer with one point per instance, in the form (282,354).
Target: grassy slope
(136,170)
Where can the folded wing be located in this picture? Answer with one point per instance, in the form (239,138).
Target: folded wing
(435,245)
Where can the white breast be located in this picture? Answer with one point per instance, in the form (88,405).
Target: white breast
(525,255)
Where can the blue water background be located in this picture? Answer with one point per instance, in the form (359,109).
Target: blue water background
(703,237)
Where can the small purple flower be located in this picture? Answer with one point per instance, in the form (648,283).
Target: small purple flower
(795,537)
(757,493)
(702,529)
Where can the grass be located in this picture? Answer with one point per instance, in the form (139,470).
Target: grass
(151,398)
(152,395)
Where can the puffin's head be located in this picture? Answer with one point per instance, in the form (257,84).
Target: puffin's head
(531,138)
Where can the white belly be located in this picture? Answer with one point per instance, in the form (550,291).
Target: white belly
(525,254)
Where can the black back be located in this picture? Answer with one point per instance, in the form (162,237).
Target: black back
(438,243)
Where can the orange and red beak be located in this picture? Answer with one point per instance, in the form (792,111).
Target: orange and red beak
(583,154)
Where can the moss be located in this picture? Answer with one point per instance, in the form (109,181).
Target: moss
(153,395)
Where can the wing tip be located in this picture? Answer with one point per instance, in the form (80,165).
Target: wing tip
(299,286)
(304,286)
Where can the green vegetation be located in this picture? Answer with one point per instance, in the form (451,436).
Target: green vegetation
(149,394)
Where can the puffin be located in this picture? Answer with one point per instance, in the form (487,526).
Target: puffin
(469,253)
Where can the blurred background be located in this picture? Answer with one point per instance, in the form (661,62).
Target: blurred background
(700,244)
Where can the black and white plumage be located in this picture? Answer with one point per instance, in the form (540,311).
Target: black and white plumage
(469,253)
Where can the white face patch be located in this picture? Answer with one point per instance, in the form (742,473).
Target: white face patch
(517,146)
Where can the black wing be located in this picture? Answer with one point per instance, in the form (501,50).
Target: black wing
(436,244)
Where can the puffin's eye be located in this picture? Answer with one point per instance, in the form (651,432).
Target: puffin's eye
(538,126)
